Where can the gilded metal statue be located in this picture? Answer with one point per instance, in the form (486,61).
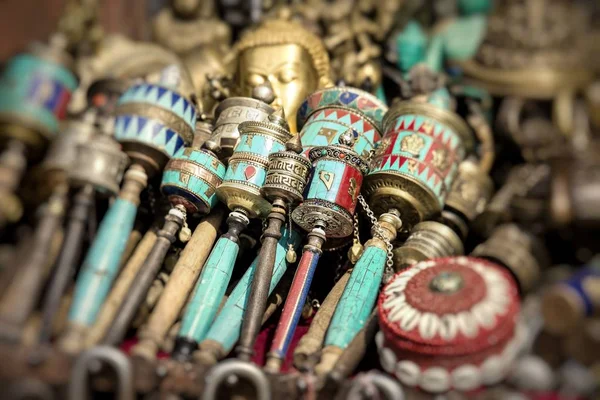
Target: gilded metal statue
(289,57)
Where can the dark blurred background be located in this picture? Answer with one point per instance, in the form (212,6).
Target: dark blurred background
(22,21)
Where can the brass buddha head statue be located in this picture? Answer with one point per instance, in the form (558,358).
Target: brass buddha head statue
(289,57)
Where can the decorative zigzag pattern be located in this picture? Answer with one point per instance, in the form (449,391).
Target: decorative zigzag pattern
(421,171)
(355,99)
(362,126)
(162,97)
(428,126)
(148,131)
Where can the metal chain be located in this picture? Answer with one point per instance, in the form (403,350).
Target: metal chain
(356,234)
(389,271)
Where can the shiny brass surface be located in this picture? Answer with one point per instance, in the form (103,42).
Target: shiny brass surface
(122,58)
(229,114)
(429,239)
(183,34)
(283,53)
(240,195)
(519,251)
(470,192)
(101,163)
(533,49)
(286,177)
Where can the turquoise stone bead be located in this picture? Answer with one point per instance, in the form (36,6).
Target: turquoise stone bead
(36,91)
(470,7)
(434,58)
(210,289)
(463,37)
(411,46)
(440,98)
(228,324)
(358,298)
(101,264)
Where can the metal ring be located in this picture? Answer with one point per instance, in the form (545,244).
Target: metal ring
(238,368)
(108,355)
(386,386)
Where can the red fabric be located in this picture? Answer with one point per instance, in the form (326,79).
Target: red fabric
(263,343)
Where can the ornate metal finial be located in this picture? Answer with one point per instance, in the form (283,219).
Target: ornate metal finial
(278,118)
(264,93)
(294,144)
(348,138)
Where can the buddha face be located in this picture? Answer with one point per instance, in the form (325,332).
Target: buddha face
(289,70)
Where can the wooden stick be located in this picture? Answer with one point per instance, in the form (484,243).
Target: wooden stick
(180,284)
(307,352)
(122,285)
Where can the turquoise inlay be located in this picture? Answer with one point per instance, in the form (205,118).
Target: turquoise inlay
(252,174)
(392,163)
(228,324)
(358,298)
(434,58)
(440,132)
(326,173)
(197,190)
(363,103)
(191,186)
(411,45)
(162,97)
(206,159)
(325,133)
(148,131)
(381,94)
(470,7)
(463,37)
(11,103)
(101,264)
(210,289)
(258,145)
(25,65)
(440,98)
(37,90)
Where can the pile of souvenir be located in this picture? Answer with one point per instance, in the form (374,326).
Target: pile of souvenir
(304,199)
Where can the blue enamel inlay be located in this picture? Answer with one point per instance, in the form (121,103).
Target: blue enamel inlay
(101,264)
(228,324)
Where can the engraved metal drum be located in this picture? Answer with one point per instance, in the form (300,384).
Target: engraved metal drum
(333,190)
(326,114)
(153,122)
(230,113)
(35,90)
(416,161)
(191,178)
(286,176)
(99,162)
(247,170)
